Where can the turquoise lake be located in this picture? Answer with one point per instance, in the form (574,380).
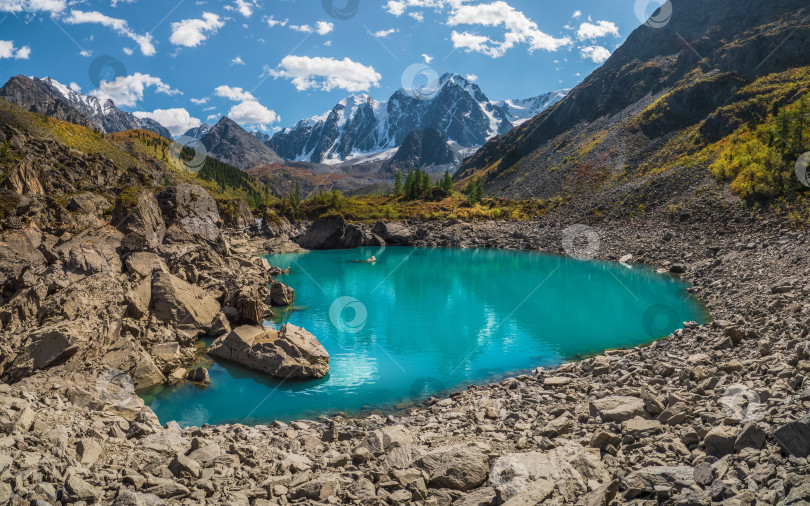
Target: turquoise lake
(421,322)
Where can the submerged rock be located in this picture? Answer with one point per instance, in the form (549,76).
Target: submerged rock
(290,353)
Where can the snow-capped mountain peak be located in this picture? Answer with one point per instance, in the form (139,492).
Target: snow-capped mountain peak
(102,113)
(360,125)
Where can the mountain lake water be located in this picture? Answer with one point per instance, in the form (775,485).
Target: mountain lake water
(422,322)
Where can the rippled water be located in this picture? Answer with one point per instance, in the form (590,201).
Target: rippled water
(422,321)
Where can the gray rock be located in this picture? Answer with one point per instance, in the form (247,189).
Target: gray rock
(182,305)
(316,489)
(76,489)
(184,467)
(617,408)
(458,467)
(332,232)
(794,437)
(570,468)
(137,215)
(291,353)
(88,450)
(720,440)
(655,478)
(281,294)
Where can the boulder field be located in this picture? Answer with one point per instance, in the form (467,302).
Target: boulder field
(712,414)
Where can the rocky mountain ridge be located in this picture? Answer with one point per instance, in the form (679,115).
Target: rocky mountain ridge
(48,96)
(360,125)
(666,92)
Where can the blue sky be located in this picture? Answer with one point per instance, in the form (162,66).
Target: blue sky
(269,63)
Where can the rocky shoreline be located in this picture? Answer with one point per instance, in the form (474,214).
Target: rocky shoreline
(713,414)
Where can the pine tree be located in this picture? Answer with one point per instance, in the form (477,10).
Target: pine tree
(426,184)
(398,183)
(410,186)
(446,182)
(474,190)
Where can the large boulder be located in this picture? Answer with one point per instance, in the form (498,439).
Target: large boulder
(656,478)
(192,209)
(137,216)
(92,251)
(569,468)
(275,226)
(333,232)
(617,408)
(794,437)
(131,359)
(396,234)
(88,203)
(19,250)
(459,467)
(48,347)
(184,306)
(281,294)
(290,353)
(235,213)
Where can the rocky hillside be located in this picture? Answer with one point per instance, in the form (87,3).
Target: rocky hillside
(665,94)
(50,97)
(230,143)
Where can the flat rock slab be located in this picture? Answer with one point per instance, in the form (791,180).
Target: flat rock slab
(617,408)
(291,353)
(556,381)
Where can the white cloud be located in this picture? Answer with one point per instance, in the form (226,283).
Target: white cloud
(212,116)
(128,51)
(237,61)
(8,50)
(472,78)
(576,14)
(126,91)
(519,29)
(199,101)
(120,27)
(271,22)
(427,58)
(324,27)
(596,54)
(419,16)
(253,113)
(178,121)
(192,32)
(244,8)
(75,87)
(326,73)
(600,29)
(398,7)
(328,43)
(15,6)
(384,33)
(232,93)
(302,28)
(115,3)
(85,53)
